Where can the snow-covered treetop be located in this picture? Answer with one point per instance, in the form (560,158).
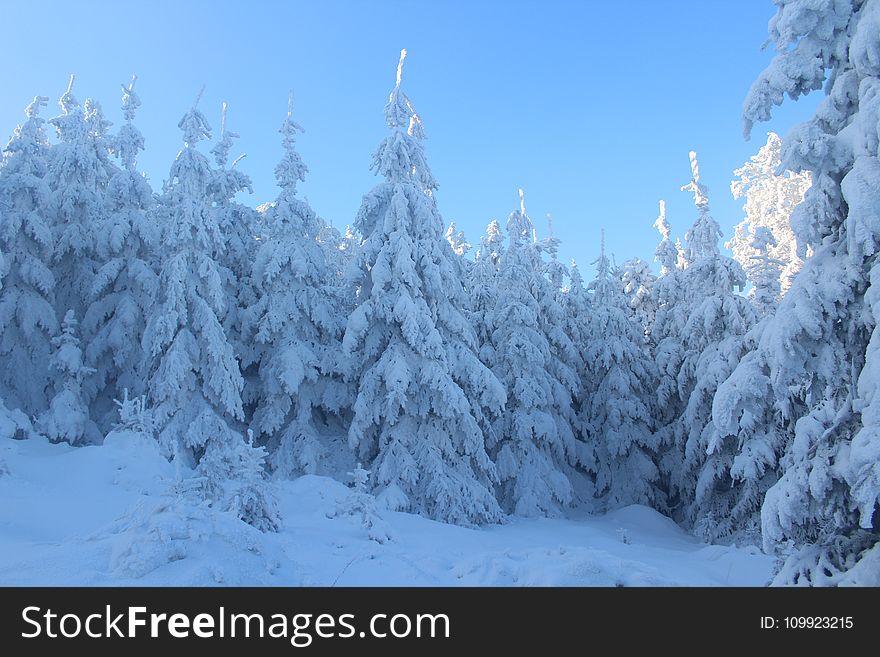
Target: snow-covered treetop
(702,238)
(401,156)
(555,269)
(399,111)
(129,141)
(70,125)
(701,192)
(130,100)
(96,122)
(603,286)
(30,134)
(458,242)
(224,145)
(68,101)
(492,243)
(291,169)
(519,224)
(666,252)
(33,108)
(194,125)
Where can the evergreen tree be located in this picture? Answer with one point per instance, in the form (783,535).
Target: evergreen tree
(294,322)
(811,380)
(621,442)
(68,416)
(482,283)
(771,198)
(79,173)
(194,380)
(412,353)
(193,373)
(27,317)
(238,226)
(638,287)
(537,447)
(702,344)
(125,285)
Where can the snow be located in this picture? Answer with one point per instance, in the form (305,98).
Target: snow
(99,535)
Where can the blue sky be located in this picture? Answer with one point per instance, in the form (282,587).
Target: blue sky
(590,107)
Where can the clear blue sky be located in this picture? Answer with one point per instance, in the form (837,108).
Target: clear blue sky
(590,107)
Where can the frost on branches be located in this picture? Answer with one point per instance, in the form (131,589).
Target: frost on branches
(770,198)
(622,441)
(125,284)
(295,325)
(412,353)
(79,172)
(700,328)
(27,315)
(537,445)
(194,380)
(817,357)
(68,416)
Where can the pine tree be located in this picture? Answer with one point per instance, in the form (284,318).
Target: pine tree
(566,360)
(238,225)
(621,443)
(78,176)
(234,473)
(482,283)
(638,286)
(702,344)
(812,378)
(666,253)
(68,416)
(194,379)
(537,448)
(27,316)
(770,200)
(411,350)
(294,322)
(125,285)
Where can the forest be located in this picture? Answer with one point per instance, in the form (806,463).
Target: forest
(734,389)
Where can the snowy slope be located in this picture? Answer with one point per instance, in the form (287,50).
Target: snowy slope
(101,516)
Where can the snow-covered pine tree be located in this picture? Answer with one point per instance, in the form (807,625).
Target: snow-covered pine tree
(359,502)
(194,380)
(27,315)
(537,448)
(812,380)
(457,241)
(235,472)
(295,324)
(125,285)
(770,199)
(666,253)
(621,440)
(666,340)
(638,287)
(566,360)
(482,284)
(238,223)
(412,353)
(577,325)
(67,418)
(79,172)
(709,345)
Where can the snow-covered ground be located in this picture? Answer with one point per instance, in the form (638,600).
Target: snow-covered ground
(103,516)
